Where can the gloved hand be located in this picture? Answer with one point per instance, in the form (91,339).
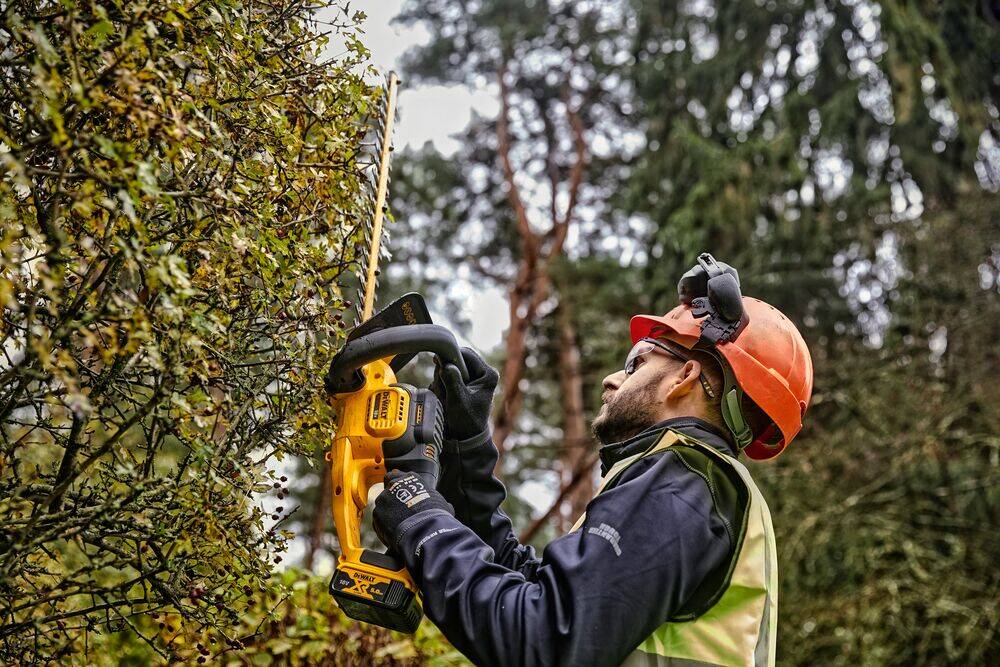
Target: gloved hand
(406,494)
(466,406)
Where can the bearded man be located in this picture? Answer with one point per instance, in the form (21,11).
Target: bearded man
(673,562)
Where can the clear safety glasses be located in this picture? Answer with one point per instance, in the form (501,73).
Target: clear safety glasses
(647,345)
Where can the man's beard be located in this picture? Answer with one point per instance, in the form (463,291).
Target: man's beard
(627,413)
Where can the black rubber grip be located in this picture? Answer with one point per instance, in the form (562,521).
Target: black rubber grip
(382,560)
(345,376)
(414,461)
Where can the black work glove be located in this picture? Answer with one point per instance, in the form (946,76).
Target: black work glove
(405,495)
(466,405)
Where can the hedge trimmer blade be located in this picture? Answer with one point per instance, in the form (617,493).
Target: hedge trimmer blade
(376,187)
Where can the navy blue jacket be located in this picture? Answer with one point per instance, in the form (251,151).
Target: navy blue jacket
(645,547)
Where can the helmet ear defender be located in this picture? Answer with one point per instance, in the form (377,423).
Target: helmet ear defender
(712,289)
(732,412)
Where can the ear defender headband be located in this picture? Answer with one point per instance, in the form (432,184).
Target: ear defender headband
(732,410)
(712,289)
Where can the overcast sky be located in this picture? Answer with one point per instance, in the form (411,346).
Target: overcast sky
(434,113)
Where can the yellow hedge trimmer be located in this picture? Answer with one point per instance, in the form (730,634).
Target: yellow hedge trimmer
(379,418)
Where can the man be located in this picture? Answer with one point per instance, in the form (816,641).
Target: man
(673,561)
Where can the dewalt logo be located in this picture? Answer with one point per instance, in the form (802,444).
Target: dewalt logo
(386,412)
(382,408)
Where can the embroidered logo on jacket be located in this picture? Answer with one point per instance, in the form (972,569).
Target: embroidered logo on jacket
(610,534)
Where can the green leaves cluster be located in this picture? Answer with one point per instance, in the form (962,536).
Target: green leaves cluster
(883,510)
(178,196)
(293,622)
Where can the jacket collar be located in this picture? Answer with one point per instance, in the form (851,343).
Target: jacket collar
(689,426)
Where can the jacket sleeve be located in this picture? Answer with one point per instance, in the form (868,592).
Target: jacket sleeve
(468,483)
(646,544)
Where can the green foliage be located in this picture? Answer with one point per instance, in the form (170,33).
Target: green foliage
(179,182)
(293,621)
(558,58)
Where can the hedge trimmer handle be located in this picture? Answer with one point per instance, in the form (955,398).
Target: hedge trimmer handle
(345,373)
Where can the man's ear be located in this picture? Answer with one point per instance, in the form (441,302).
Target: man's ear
(684,381)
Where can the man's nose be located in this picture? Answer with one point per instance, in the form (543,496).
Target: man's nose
(613,381)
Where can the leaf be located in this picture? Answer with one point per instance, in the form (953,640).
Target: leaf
(399,650)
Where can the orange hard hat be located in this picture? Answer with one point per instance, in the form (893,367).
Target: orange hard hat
(762,355)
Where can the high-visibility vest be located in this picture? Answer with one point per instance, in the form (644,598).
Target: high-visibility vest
(738,629)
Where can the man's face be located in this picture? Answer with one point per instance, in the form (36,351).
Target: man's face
(632,402)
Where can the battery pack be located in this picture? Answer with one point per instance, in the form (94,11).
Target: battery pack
(367,597)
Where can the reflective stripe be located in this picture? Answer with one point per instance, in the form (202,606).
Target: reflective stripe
(767,642)
(739,629)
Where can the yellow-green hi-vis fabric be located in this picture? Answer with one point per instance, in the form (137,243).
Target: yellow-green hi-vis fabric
(739,630)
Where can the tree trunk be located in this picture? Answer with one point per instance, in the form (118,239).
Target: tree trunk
(526,295)
(321,514)
(513,368)
(531,285)
(577,444)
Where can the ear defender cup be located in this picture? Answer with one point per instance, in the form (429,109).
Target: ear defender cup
(724,295)
(694,284)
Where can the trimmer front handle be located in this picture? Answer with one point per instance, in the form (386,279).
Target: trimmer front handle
(345,373)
